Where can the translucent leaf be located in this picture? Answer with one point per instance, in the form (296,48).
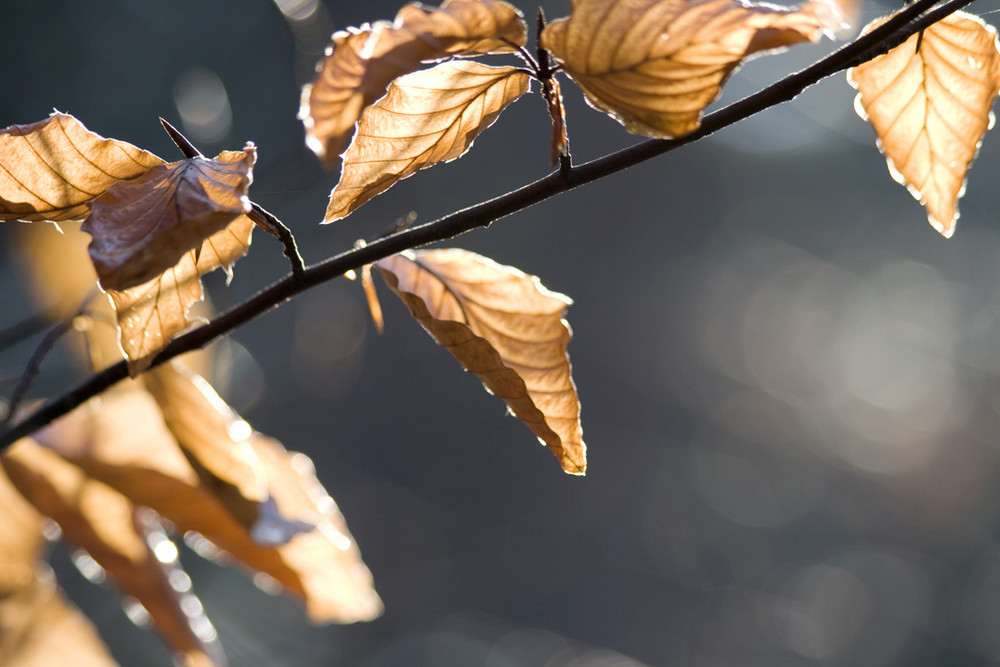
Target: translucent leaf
(307,550)
(214,440)
(53,169)
(40,628)
(361,62)
(143,227)
(107,526)
(427,117)
(931,108)
(151,314)
(654,65)
(505,327)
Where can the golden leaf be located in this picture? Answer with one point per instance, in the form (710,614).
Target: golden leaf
(39,627)
(96,518)
(127,444)
(505,327)
(53,169)
(931,108)
(427,117)
(654,65)
(143,227)
(361,62)
(151,314)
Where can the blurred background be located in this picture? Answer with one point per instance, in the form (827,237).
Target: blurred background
(790,381)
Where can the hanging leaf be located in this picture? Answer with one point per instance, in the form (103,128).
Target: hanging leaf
(53,169)
(930,108)
(143,227)
(151,314)
(361,62)
(427,117)
(128,445)
(506,328)
(109,528)
(654,65)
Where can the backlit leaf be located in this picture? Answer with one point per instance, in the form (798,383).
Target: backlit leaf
(361,62)
(143,227)
(110,529)
(53,169)
(151,314)
(427,117)
(125,442)
(931,107)
(505,327)
(654,65)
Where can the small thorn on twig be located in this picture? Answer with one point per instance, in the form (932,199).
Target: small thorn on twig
(182,142)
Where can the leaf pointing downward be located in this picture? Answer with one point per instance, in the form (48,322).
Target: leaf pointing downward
(151,314)
(506,328)
(362,62)
(52,169)
(931,107)
(427,117)
(654,65)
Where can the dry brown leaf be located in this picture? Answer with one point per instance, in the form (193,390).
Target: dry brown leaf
(110,529)
(361,62)
(53,169)
(505,327)
(427,117)
(143,227)
(215,441)
(931,108)
(654,65)
(127,445)
(151,314)
(40,628)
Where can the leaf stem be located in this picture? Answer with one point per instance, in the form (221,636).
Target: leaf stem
(893,32)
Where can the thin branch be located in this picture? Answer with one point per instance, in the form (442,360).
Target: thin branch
(35,362)
(893,32)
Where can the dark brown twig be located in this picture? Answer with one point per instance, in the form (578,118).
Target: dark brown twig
(34,364)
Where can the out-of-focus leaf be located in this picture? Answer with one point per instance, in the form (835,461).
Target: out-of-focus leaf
(53,169)
(654,65)
(505,327)
(361,62)
(127,445)
(21,541)
(427,117)
(151,314)
(214,440)
(930,108)
(40,628)
(143,227)
(96,518)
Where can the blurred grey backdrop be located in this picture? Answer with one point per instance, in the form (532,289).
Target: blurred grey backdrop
(789,380)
